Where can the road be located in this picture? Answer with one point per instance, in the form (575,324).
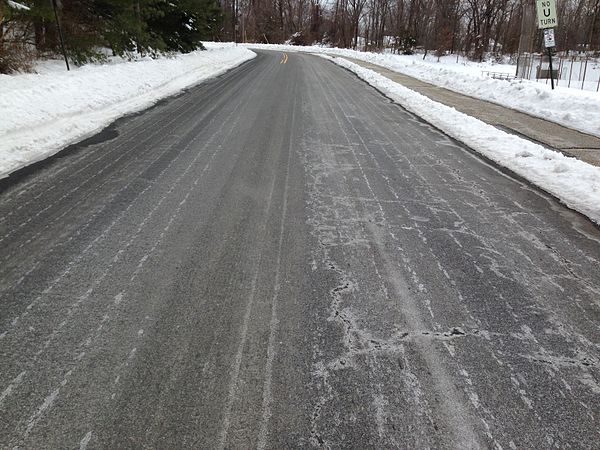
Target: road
(283,258)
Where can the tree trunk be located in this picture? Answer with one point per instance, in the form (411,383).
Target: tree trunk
(1,29)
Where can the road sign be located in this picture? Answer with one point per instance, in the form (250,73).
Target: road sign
(549,38)
(546,13)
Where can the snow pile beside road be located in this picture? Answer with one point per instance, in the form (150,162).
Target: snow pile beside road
(574,182)
(42,113)
(572,108)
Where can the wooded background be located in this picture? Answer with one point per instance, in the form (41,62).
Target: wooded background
(474,28)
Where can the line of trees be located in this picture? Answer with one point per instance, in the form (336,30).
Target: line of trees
(92,28)
(470,27)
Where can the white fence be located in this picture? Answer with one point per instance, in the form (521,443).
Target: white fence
(580,72)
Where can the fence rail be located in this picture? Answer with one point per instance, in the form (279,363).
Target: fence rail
(499,75)
(581,72)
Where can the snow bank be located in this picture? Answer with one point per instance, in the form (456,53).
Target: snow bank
(573,108)
(42,113)
(574,182)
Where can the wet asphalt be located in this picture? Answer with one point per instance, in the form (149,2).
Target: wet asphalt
(283,258)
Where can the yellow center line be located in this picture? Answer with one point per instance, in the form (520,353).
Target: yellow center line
(284,59)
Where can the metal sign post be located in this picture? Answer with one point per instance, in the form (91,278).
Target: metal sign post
(60,35)
(547,20)
(549,43)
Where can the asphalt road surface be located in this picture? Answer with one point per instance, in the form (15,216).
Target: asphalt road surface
(283,258)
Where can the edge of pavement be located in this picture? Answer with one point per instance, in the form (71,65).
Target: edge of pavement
(551,135)
(31,146)
(568,179)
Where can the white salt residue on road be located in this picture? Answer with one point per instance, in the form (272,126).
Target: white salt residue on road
(571,107)
(574,182)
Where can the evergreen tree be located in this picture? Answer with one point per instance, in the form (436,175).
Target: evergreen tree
(182,24)
(125,27)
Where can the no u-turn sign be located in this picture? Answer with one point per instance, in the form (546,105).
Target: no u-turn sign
(546,13)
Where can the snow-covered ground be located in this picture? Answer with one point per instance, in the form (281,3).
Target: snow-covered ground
(44,112)
(570,107)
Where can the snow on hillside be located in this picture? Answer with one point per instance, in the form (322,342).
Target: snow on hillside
(42,113)
(570,107)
